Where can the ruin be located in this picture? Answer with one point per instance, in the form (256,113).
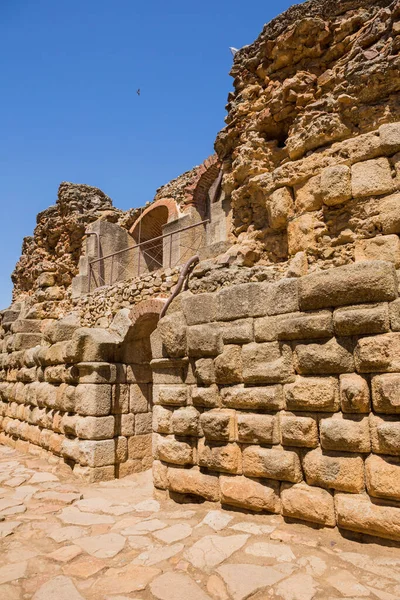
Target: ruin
(272,381)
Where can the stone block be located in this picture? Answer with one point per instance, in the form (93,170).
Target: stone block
(121,449)
(93,400)
(97,453)
(120,398)
(140,446)
(170,450)
(388,218)
(354,394)
(358,513)
(362,319)
(345,434)
(127,424)
(324,357)
(61,330)
(229,365)
(382,477)
(394,312)
(308,195)
(370,281)
(139,397)
(257,429)
(204,340)
(170,395)
(172,331)
(96,372)
(379,353)
(264,398)
(389,134)
(299,431)
(251,494)
(204,371)
(23,341)
(313,394)
(206,396)
(95,428)
(271,463)
(138,373)
(26,326)
(237,302)
(95,474)
(192,481)
(200,308)
(280,208)
(143,423)
(384,247)
(386,393)
(307,503)
(92,345)
(294,326)
(277,298)
(162,419)
(160,475)
(385,435)
(237,332)
(340,472)
(269,362)
(372,178)
(219,425)
(220,457)
(186,421)
(336,185)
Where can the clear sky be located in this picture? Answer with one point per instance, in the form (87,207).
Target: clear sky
(69,109)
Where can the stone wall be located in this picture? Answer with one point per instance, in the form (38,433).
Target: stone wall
(284,397)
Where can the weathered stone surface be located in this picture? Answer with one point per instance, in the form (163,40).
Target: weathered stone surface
(92,345)
(186,421)
(382,478)
(358,513)
(207,396)
(294,326)
(267,363)
(97,453)
(219,424)
(243,580)
(172,331)
(201,308)
(210,551)
(173,451)
(280,208)
(336,185)
(265,398)
(312,394)
(228,365)
(389,214)
(383,247)
(192,481)
(237,302)
(301,501)
(176,586)
(271,464)
(378,354)
(58,588)
(299,431)
(257,429)
(356,320)
(308,195)
(220,457)
(386,393)
(371,178)
(204,371)
(102,546)
(372,281)
(251,494)
(204,340)
(349,434)
(95,428)
(394,312)
(334,471)
(93,400)
(170,395)
(385,435)
(325,357)
(237,332)
(354,394)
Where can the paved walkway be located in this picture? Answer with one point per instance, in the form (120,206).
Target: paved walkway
(61,540)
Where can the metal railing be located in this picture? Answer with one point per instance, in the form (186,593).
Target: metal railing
(162,252)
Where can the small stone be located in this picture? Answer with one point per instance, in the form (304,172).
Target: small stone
(144,527)
(63,534)
(216,519)
(148,506)
(216,587)
(253,528)
(65,554)
(174,533)
(125,580)
(8,527)
(85,567)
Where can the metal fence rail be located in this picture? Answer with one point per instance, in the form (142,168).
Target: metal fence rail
(165,251)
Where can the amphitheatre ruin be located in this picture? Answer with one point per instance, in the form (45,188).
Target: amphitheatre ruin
(240,334)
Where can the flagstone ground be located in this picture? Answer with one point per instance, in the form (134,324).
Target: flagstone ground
(61,539)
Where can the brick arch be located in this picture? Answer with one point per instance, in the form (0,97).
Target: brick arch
(197,191)
(147,309)
(153,218)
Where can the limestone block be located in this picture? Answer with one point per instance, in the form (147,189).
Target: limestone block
(97,453)
(386,393)
(385,435)
(354,394)
(192,481)
(349,434)
(200,308)
(312,394)
(170,450)
(280,208)
(308,195)
(307,503)
(237,332)
(61,330)
(172,331)
(160,475)
(92,345)
(121,449)
(361,319)
(237,302)
(94,428)
(170,395)
(138,373)
(120,398)
(93,400)
(186,421)
(358,513)
(219,424)
(334,471)
(140,446)
(204,371)
(97,372)
(277,298)
(389,134)
(143,423)
(206,396)
(127,424)
(382,477)
(299,431)
(220,457)
(94,474)
(250,494)
(264,398)
(257,429)
(388,218)
(336,185)
(204,340)
(267,363)
(271,463)
(229,366)
(378,354)
(55,443)
(162,419)
(372,178)
(294,326)
(394,312)
(70,449)
(325,357)
(138,397)
(370,281)
(26,326)
(384,247)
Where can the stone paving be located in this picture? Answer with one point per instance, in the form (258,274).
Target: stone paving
(61,539)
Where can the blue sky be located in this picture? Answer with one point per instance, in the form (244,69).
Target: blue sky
(69,108)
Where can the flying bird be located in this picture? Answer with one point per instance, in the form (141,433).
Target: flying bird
(233,50)
(138,92)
